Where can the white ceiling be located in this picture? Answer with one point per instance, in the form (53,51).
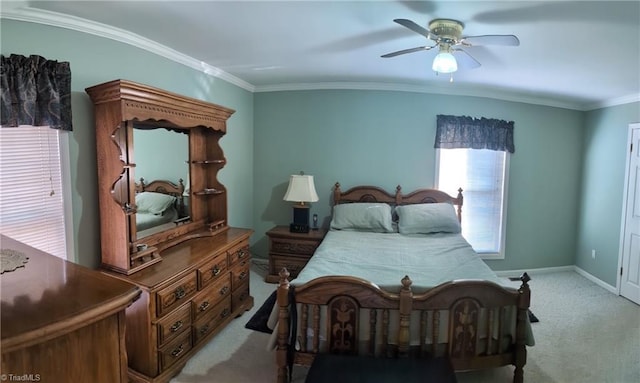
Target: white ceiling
(575,54)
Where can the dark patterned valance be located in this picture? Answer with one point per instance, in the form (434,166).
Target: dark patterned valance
(474,133)
(35,91)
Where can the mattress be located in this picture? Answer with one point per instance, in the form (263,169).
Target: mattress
(385,258)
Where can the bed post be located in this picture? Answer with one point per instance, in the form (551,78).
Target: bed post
(282,341)
(398,195)
(336,193)
(521,329)
(460,201)
(406,305)
(181,209)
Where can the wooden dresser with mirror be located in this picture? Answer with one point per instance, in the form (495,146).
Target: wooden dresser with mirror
(163,222)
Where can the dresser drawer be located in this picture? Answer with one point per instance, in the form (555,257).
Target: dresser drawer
(175,350)
(212,320)
(174,295)
(293,264)
(173,324)
(239,253)
(239,296)
(240,273)
(211,271)
(294,247)
(205,302)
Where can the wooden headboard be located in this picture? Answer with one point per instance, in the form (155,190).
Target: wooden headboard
(376,194)
(165,187)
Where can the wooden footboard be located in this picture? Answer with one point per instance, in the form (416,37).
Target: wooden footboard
(477,324)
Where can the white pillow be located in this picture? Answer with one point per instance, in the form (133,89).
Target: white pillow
(362,216)
(427,218)
(154,203)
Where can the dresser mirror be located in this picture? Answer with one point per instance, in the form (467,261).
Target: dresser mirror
(161,179)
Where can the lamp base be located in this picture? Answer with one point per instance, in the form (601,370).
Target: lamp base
(298,228)
(300,219)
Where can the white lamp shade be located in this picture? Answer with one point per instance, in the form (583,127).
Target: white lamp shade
(301,189)
(445,63)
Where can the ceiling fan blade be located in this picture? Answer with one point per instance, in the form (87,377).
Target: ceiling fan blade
(465,60)
(413,26)
(405,51)
(508,40)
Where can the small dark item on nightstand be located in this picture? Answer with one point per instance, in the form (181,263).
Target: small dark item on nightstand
(315,222)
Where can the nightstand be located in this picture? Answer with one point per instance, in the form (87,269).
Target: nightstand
(290,250)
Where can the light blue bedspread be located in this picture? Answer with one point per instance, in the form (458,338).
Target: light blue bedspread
(385,258)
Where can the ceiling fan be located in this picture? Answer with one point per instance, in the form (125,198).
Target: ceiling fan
(447,37)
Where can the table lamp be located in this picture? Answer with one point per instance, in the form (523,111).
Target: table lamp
(301,189)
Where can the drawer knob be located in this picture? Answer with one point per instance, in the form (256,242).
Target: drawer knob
(204,329)
(242,275)
(225,313)
(176,326)
(215,271)
(241,254)
(180,293)
(204,306)
(178,351)
(224,290)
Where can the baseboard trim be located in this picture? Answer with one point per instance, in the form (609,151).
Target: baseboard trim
(541,270)
(596,280)
(546,270)
(260,261)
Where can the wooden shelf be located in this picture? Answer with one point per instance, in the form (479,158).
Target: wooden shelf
(209,162)
(209,191)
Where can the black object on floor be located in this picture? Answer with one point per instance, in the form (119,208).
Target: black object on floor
(331,368)
(258,321)
(533,318)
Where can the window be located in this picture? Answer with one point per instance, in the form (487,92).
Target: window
(482,174)
(33,164)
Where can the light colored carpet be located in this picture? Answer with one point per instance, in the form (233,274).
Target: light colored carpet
(585,335)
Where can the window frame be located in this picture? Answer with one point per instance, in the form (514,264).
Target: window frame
(500,254)
(64,139)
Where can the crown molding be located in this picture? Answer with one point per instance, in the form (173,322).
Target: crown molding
(56,19)
(628,99)
(475,91)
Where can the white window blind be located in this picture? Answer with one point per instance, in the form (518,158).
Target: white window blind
(482,174)
(31,195)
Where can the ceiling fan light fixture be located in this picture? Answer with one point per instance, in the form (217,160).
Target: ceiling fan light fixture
(444,63)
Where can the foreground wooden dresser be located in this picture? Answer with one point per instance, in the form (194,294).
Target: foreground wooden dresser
(198,288)
(61,322)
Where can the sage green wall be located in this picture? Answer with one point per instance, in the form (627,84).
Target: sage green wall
(602,189)
(95,60)
(386,138)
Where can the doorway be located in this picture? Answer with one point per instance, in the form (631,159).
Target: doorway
(629,276)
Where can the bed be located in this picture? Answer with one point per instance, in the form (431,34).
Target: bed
(394,277)
(158,203)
